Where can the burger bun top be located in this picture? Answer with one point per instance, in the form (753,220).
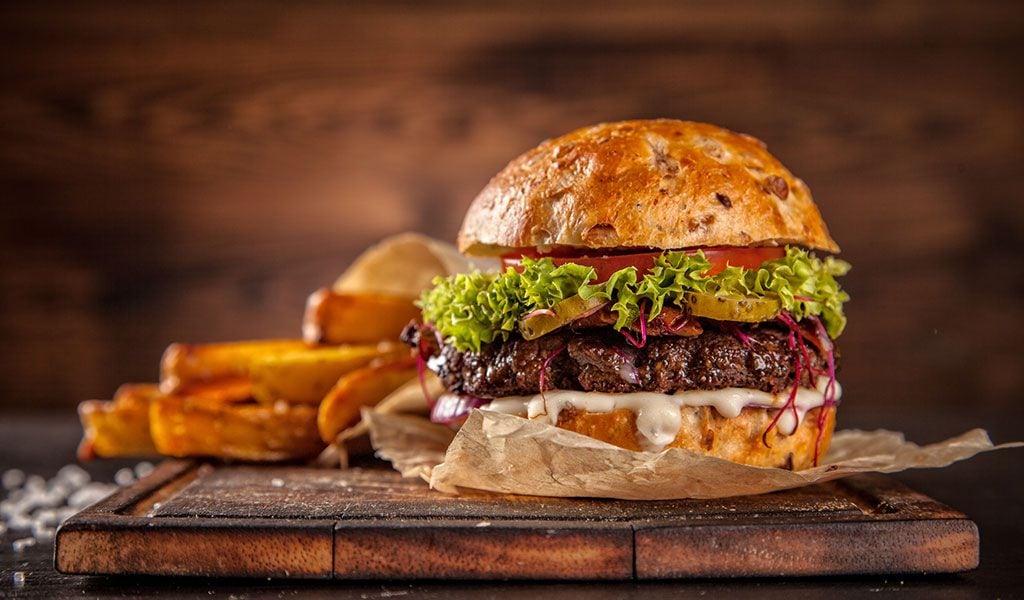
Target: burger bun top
(653,184)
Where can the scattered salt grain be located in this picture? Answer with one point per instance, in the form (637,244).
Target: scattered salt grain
(13,478)
(19,522)
(42,532)
(35,483)
(19,579)
(34,504)
(277,482)
(124,476)
(90,494)
(46,516)
(74,476)
(20,545)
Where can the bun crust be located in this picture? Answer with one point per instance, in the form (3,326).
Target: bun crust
(661,184)
(705,431)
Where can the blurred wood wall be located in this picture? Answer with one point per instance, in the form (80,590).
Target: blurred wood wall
(191,171)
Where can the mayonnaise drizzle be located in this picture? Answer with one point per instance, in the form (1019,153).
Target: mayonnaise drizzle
(657,415)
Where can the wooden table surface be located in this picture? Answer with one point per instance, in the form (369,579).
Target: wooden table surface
(987,488)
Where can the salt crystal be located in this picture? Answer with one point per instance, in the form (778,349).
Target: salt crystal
(9,507)
(35,483)
(74,475)
(42,532)
(23,544)
(19,579)
(12,478)
(94,492)
(124,476)
(143,469)
(46,516)
(19,522)
(277,482)
(58,490)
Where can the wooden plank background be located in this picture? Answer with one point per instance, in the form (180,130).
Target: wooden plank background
(190,172)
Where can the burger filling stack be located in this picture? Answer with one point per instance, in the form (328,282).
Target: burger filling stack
(664,284)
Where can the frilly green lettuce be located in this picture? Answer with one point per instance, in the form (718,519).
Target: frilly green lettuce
(473,309)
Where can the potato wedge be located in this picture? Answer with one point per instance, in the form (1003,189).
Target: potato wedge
(186,364)
(118,428)
(230,390)
(346,318)
(136,394)
(362,387)
(183,426)
(305,376)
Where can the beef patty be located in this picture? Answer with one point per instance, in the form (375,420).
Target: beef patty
(600,360)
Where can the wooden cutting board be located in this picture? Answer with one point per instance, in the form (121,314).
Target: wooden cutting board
(192,518)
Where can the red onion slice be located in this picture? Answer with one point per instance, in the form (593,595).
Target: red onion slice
(450,408)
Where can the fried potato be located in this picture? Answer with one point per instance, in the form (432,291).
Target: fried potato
(351,318)
(362,387)
(118,428)
(230,390)
(185,426)
(186,364)
(407,399)
(305,376)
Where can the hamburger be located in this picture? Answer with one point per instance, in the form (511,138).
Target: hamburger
(664,284)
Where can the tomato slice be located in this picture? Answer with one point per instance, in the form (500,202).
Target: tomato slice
(720,257)
(749,258)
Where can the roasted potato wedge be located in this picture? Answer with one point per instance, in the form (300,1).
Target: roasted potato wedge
(230,390)
(184,426)
(362,387)
(187,364)
(346,318)
(305,376)
(118,428)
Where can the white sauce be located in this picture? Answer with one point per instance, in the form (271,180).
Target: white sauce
(657,415)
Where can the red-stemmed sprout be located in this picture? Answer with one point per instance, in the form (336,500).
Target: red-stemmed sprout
(643,331)
(830,387)
(422,353)
(735,330)
(802,360)
(627,370)
(790,404)
(679,324)
(538,312)
(544,370)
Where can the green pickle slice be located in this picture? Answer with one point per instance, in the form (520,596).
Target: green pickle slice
(722,308)
(532,327)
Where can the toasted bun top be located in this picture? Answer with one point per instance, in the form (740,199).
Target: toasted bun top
(661,184)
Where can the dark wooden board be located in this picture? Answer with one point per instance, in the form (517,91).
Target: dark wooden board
(190,518)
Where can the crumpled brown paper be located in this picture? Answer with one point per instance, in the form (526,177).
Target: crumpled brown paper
(404,265)
(509,454)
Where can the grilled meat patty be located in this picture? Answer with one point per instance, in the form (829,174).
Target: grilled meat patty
(600,360)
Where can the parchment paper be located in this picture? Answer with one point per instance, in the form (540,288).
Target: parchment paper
(404,265)
(509,454)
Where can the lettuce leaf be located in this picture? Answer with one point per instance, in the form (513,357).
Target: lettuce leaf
(473,309)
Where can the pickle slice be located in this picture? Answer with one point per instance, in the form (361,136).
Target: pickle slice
(538,324)
(744,310)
